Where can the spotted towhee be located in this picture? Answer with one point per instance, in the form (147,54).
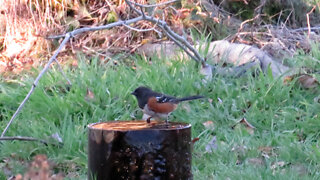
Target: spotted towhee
(158,105)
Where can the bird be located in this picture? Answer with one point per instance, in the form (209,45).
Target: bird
(157,105)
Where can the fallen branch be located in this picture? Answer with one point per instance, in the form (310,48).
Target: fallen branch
(23,138)
(306,29)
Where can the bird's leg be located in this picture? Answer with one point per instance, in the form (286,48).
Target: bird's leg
(167,120)
(148,120)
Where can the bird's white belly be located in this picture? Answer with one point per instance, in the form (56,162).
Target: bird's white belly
(151,113)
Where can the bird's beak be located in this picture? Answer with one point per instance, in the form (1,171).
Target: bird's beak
(132,93)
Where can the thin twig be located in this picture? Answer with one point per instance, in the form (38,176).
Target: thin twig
(144,30)
(308,20)
(91,50)
(108,26)
(175,37)
(180,45)
(246,21)
(24,138)
(153,5)
(62,72)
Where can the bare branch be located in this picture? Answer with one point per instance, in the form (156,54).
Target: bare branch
(144,30)
(35,83)
(175,37)
(180,45)
(179,40)
(133,8)
(108,26)
(153,5)
(56,37)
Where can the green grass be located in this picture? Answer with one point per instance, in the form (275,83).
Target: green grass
(286,117)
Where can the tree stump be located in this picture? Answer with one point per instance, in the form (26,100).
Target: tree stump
(139,150)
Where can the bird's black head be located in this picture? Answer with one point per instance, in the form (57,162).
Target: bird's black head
(141,91)
(142,94)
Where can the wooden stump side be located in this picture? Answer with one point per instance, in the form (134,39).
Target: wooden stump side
(138,150)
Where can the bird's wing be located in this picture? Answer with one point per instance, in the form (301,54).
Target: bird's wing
(164,99)
(161,107)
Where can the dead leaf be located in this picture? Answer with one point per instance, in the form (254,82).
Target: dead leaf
(256,161)
(249,127)
(239,161)
(246,123)
(195,140)
(239,149)
(208,125)
(145,41)
(299,168)
(16,177)
(304,80)
(41,168)
(277,164)
(266,151)
(212,145)
(90,95)
(308,81)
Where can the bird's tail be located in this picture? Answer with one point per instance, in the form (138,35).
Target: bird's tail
(189,98)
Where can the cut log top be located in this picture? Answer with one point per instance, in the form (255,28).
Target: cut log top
(138,125)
